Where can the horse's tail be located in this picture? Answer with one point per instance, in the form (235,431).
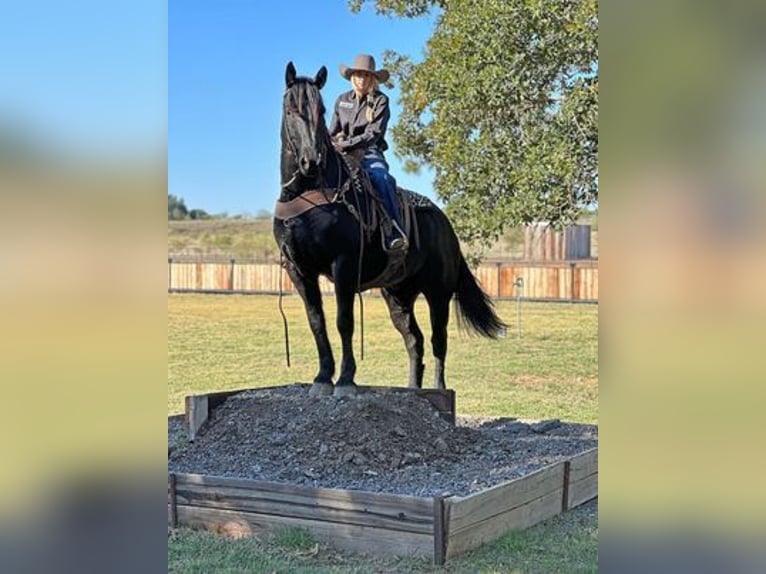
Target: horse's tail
(476,310)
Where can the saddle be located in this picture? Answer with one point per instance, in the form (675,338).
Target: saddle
(363,202)
(375,216)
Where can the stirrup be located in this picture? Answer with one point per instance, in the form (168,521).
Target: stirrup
(400,243)
(397,244)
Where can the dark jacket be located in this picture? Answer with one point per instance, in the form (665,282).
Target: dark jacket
(350,118)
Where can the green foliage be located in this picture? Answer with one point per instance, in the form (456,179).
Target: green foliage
(176,208)
(504,108)
(405,8)
(198,214)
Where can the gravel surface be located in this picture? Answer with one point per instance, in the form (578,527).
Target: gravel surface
(379,442)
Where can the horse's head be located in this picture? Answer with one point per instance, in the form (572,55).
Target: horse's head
(304,134)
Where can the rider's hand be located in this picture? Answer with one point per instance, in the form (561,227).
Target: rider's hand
(339,144)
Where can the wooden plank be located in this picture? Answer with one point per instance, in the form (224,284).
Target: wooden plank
(172,501)
(197,412)
(524,516)
(440,531)
(583,464)
(393,511)
(583,478)
(302,505)
(351,537)
(583,490)
(505,497)
(417,504)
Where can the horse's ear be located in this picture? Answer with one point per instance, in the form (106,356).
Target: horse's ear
(290,74)
(321,77)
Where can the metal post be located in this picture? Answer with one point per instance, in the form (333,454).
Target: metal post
(519,284)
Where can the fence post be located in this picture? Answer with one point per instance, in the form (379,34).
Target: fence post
(231,276)
(572,280)
(519,284)
(497,269)
(170,273)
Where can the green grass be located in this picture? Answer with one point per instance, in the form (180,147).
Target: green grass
(566,544)
(238,238)
(236,341)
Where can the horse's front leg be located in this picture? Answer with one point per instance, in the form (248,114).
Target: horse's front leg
(344,296)
(308,289)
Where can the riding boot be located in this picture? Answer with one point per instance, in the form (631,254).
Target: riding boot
(396,238)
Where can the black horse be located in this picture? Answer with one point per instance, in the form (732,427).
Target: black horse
(320,228)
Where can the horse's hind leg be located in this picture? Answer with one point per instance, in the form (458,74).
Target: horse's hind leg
(439,311)
(401,308)
(308,289)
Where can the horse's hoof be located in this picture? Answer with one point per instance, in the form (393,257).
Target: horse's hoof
(345,391)
(320,390)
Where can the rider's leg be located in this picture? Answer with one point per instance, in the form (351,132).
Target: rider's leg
(385,185)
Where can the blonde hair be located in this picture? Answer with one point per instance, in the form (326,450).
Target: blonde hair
(374,87)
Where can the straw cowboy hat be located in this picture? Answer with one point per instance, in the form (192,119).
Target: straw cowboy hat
(364,63)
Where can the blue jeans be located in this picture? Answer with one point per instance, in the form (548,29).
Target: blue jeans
(377,168)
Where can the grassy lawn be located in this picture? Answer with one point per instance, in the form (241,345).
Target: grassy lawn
(566,544)
(236,341)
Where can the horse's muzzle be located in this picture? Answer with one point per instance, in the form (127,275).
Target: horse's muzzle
(309,166)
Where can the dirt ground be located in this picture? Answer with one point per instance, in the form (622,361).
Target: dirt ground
(379,442)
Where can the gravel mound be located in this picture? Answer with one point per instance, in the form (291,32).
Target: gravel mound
(379,442)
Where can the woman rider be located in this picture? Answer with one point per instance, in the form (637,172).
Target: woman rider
(359,123)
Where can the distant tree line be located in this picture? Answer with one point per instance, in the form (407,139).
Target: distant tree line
(177,210)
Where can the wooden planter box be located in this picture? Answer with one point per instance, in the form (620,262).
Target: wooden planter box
(378,523)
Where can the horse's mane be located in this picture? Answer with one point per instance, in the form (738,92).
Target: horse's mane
(313,97)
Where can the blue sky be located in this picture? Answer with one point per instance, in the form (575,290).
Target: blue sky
(85,77)
(226,67)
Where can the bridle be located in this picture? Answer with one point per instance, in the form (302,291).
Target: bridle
(290,140)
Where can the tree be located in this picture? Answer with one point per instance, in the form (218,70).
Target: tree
(504,108)
(199,214)
(176,208)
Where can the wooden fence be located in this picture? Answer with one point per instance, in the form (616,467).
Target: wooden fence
(575,280)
